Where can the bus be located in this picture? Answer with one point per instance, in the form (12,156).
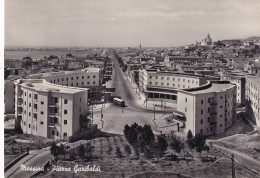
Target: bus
(119,102)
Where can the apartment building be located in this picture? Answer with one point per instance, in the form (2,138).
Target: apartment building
(49,110)
(237,77)
(253,98)
(86,78)
(9,99)
(159,84)
(208,109)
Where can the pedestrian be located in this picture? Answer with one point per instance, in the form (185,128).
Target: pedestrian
(122,111)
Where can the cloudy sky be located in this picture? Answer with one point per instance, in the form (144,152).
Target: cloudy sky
(87,23)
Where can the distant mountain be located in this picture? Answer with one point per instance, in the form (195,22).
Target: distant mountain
(253,38)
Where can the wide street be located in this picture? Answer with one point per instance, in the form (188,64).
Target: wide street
(116,117)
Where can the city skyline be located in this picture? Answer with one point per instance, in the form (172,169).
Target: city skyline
(64,23)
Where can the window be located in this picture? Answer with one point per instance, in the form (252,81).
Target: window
(185,109)
(208,110)
(53,132)
(35,96)
(161,83)
(65,101)
(94,82)
(24,111)
(183,80)
(221,97)
(41,123)
(77,84)
(53,81)
(220,125)
(220,115)
(42,102)
(186,99)
(79,109)
(94,76)
(167,78)
(178,79)
(79,99)
(65,111)
(156,83)
(150,77)
(183,86)
(24,102)
(62,79)
(201,121)
(42,112)
(67,78)
(208,119)
(57,133)
(207,129)
(161,78)
(88,77)
(30,95)
(150,83)
(65,122)
(77,78)
(82,83)
(173,79)
(211,129)
(201,111)
(201,102)
(173,85)
(201,131)
(35,115)
(82,77)
(167,84)
(29,125)
(208,100)
(71,78)
(30,104)
(88,83)
(72,84)
(25,93)
(65,134)
(156,77)
(35,106)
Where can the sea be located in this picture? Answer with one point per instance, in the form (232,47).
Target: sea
(20,54)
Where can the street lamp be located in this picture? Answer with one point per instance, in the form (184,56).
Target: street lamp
(161,103)
(164,108)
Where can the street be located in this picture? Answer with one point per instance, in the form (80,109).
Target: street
(116,117)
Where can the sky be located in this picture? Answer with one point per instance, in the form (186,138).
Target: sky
(127,23)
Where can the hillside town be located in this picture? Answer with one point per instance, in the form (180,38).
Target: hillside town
(209,90)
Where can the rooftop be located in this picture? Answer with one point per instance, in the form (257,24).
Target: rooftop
(213,86)
(254,79)
(43,85)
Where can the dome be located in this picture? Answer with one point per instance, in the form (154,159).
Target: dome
(257,60)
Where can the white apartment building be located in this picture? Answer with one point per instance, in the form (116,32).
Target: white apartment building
(237,77)
(253,98)
(86,78)
(9,99)
(49,110)
(208,109)
(157,84)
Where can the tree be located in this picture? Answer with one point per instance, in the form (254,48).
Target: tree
(190,140)
(89,149)
(118,152)
(55,150)
(161,145)
(81,152)
(199,142)
(127,149)
(176,145)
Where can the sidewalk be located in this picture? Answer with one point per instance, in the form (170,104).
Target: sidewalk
(141,99)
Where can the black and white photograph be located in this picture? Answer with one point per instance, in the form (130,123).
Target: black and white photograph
(130,88)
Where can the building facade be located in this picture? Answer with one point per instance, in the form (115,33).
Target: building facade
(9,99)
(49,110)
(253,98)
(86,78)
(208,109)
(165,85)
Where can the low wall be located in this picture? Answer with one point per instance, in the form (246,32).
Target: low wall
(15,161)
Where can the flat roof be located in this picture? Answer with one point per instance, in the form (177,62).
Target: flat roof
(254,79)
(212,87)
(43,85)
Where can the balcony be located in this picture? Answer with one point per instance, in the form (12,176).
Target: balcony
(213,114)
(53,105)
(213,104)
(19,95)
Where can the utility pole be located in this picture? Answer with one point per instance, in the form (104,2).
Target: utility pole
(233,167)
(101,114)
(92,114)
(154,113)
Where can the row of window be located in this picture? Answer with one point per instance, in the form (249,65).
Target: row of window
(173,85)
(58,80)
(173,79)
(77,84)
